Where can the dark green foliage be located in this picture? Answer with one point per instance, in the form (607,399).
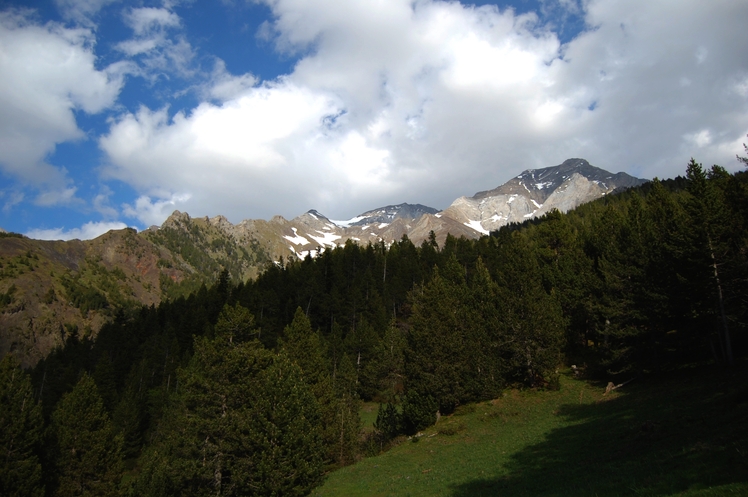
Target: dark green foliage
(83,297)
(531,322)
(243,423)
(304,347)
(129,417)
(361,345)
(336,396)
(6,297)
(106,383)
(50,296)
(435,360)
(235,323)
(388,366)
(85,450)
(389,423)
(419,411)
(21,433)
(343,432)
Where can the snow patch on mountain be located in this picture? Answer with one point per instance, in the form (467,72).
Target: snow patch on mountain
(325,239)
(296,239)
(348,223)
(473,224)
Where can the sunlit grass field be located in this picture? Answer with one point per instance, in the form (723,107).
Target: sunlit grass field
(682,433)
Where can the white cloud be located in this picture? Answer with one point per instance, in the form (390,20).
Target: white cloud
(148,20)
(155,44)
(86,232)
(634,65)
(425,101)
(61,196)
(149,212)
(46,73)
(11,198)
(102,204)
(81,11)
(230,156)
(224,86)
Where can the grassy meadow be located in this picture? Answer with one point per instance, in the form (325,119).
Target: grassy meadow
(681,433)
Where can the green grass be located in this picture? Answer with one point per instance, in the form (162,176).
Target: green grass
(369,411)
(683,433)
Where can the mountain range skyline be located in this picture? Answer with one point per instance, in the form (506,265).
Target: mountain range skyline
(531,186)
(123,267)
(116,113)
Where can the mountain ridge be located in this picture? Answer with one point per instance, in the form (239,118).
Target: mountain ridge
(52,290)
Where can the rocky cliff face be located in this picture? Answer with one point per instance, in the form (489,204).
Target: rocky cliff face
(536,192)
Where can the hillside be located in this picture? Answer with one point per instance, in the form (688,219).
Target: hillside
(53,290)
(679,434)
(623,287)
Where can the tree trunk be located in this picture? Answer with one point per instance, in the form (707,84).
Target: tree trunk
(725,330)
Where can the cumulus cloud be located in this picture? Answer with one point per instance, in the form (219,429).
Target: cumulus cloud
(156,45)
(11,199)
(425,101)
(102,204)
(633,65)
(60,196)
(227,157)
(86,232)
(150,212)
(81,11)
(46,74)
(225,86)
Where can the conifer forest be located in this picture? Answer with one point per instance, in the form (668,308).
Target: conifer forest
(254,388)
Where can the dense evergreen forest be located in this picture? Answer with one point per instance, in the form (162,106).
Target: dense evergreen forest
(254,388)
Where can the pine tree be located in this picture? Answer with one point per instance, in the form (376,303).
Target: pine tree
(288,436)
(236,323)
(87,452)
(707,213)
(388,366)
(243,423)
(20,435)
(531,318)
(387,426)
(336,402)
(347,422)
(361,345)
(304,347)
(484,342)
(436,355)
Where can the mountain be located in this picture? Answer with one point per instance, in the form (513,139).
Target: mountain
(51,290)
(385,215)
(536,192)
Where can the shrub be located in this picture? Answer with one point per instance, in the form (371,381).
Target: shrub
(419,411)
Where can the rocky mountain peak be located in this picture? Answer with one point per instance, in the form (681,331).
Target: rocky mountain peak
(539,184)
(535,192)
(220,222)
(176,219)
(387,214)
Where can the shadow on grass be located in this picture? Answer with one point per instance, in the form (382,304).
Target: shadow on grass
(685,432)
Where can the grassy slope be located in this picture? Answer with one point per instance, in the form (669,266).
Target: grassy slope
(685,433)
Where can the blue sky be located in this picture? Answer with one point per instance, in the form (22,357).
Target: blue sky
(116,113)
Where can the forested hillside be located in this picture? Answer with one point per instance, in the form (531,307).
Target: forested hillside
(257,386)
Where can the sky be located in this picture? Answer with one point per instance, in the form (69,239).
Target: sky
(116,113)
